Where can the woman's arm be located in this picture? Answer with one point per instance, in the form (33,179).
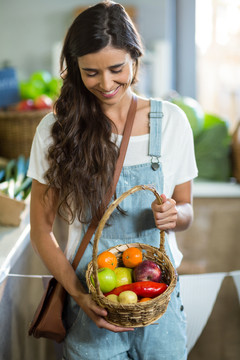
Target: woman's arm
(176,213)
(42,215)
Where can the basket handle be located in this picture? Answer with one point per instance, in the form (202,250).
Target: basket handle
(105,218)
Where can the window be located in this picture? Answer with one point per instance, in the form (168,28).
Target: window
(218,57)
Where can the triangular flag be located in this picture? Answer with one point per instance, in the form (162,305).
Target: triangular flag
(199,292)
(236,278)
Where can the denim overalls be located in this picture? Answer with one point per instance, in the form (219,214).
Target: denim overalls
(164,340)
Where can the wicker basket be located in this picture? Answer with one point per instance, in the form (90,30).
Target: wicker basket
(143,313)
(17,130)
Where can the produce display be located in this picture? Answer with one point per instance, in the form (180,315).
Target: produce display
(212,140)
(213,149)
(194,112)
(13,179)
(38,92)
(128,285)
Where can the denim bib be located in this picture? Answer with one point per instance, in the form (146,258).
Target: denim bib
(84,339)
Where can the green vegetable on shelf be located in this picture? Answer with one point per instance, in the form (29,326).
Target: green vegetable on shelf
(211,139)
(212,149)
(14,181)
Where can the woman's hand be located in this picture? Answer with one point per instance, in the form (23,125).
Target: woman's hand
(176,213)
(97,313)
(165,215)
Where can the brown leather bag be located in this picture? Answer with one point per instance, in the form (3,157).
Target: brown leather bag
(47,321)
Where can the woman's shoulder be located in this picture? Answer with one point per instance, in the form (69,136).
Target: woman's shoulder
(168,108)
(45,125)
(173,115)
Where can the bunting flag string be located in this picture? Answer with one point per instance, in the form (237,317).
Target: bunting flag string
(198,291)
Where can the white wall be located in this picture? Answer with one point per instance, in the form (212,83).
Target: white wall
(30,28)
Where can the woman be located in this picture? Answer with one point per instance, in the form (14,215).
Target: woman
(72,163)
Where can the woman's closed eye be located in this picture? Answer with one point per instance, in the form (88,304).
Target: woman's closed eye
(95,73)
(116,71)
(91,74)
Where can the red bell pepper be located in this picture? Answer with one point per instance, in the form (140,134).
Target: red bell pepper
(141,288)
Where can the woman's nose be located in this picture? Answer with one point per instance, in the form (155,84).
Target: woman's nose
(106,82)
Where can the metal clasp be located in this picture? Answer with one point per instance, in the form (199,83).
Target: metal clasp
(155,163)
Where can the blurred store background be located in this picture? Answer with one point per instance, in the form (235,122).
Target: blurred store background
(192,57)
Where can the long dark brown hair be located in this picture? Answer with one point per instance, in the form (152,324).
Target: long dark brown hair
(82,158)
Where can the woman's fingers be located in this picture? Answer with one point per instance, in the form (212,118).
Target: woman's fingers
(102,323)
(97,314)
(165,215)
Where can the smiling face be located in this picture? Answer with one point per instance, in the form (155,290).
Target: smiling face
(107,74)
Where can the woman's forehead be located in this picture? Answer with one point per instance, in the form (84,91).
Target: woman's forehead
(106,57)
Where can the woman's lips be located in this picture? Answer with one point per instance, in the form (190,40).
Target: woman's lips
(109,94)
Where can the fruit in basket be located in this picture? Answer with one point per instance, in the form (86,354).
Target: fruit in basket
(107,259)
(131,257)
(43,102)
(149,289)
(147,270)
(128,297)
(113,297)
(143,299)
(107,279)
(123,276)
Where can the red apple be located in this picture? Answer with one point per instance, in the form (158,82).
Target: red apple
(147,270)
(43,102)
(25,105)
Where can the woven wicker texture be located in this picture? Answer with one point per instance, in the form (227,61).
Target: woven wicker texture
(17,130)
(140,314)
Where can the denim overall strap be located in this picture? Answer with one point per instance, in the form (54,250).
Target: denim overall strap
(155,140)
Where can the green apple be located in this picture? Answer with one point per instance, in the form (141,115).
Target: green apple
(123,275)
(128,297)
(107,279)
(112,297)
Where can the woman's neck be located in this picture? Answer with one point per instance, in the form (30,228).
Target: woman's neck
(118,112)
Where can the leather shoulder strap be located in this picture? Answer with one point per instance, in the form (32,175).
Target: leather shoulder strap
(123,148)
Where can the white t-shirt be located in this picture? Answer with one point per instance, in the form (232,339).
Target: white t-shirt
(178,159)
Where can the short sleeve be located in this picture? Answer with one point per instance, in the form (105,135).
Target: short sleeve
(178,155)
(38,163)
(186,168)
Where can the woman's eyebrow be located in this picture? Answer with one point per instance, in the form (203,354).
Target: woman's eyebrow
(116,66)
(110,67)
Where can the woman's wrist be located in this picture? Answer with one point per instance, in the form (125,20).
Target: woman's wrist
(184,216)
